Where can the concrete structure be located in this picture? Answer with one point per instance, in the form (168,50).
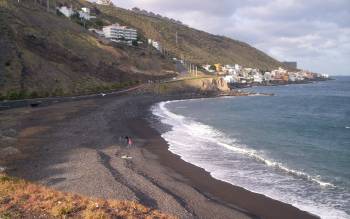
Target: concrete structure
(98,32)
(155,44)
(68,12)
(119,33)
(291,64)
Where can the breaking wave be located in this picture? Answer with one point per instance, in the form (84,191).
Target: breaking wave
(193,141)
(209,134)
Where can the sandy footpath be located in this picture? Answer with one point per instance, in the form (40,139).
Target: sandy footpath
(76,147)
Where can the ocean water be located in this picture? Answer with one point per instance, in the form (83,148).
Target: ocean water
(293,147)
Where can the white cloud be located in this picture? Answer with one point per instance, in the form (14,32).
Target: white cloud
(316,33)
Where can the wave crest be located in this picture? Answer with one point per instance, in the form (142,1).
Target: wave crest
(205,133)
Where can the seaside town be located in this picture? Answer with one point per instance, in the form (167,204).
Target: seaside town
(234,74)
(240,76)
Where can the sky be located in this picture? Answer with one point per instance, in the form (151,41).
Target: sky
(315,33)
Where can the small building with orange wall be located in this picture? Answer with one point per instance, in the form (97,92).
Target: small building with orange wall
(218,67)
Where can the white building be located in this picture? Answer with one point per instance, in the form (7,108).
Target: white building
(292,77)
(120,33)
(85,14)
(258,78)
(208,68)
(267,76)
(230,79)
(230,69)
(68,12)
(238,67)
(279,73)
(104,2)
(155,44)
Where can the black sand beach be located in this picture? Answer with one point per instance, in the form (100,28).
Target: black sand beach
(76,147)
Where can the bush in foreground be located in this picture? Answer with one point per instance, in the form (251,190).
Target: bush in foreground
(21,199)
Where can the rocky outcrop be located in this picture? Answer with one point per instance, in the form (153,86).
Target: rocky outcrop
(209,84)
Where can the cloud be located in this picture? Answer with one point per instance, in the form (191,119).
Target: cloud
(316,33)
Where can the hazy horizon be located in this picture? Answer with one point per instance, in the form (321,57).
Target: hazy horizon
(316,34)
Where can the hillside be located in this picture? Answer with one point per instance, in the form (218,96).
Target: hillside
(43,54)
(197,46)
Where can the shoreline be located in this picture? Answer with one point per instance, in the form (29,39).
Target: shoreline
(253,204)
(154,176)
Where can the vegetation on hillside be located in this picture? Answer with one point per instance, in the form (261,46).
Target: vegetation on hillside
(43,54)
(21,199)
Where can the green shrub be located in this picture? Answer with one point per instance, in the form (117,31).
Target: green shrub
(34,94)
(12,95)
(58,92)
(22,95)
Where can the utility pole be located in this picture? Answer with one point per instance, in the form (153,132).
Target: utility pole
(176,39)
(48,5)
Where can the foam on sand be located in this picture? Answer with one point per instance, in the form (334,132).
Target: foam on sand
(209,134)
(197,143)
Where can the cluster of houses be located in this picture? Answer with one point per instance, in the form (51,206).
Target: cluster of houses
(233,74)
(114,32)
(236,74)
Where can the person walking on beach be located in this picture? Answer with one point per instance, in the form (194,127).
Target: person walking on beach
(129,142)
(126,140)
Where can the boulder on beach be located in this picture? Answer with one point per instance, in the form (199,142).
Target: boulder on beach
(2,169)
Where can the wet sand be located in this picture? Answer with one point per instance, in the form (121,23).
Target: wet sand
(76,147)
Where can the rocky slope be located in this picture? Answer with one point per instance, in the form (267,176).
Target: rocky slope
(43,54)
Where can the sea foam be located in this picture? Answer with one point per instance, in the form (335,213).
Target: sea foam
(210,134)
(189,138)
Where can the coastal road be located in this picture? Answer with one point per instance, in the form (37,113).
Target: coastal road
(8,104)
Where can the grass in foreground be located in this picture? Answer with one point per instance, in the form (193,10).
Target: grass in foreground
(21,199)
